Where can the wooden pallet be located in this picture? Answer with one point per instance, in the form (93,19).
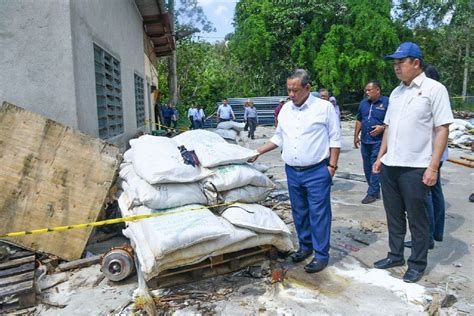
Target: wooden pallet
(213,266)
(17,281)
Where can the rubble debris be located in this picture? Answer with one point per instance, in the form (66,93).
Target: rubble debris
(80,263)
(358,239)
(448,301)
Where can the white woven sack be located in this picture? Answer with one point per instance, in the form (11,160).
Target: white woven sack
(161,196)
(231,125)
(213,155)
(198,136)
(158,160)
(226,133)
(180,258)
(255,217)
(229,177)
(246,194)
(178,228)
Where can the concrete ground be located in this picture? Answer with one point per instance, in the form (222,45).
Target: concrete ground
(349,286)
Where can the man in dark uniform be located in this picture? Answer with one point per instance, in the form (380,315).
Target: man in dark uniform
(369,125)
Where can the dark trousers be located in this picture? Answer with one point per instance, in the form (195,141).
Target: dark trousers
(224,120)
(167,121)
(369,156)
(175,123)
(252,122)
(191,119)
(310,196)
(197,124)
(405,197)
(436,210)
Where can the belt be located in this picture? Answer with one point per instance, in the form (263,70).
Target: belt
(322,162)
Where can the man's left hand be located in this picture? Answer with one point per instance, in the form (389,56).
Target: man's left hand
(430,177)
(377,130)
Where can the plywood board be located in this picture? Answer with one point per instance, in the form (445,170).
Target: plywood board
(51,175)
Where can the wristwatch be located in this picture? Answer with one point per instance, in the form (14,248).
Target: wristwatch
(333,166)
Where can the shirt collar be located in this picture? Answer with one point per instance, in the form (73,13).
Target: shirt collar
(308,101)
(417,81)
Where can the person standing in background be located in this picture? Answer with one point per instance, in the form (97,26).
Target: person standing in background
(251,118)
(368,134)
(278,109)
(224,112)
(191,111)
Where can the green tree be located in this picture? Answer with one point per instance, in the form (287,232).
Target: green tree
(353,49)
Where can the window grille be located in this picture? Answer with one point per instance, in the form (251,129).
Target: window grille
(139,101)
(109,94)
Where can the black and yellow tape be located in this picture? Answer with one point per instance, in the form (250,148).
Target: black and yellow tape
(105,222)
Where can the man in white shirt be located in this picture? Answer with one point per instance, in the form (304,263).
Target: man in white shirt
(198,117)
(309,135)
(191,112)
(416,133)
(224,112)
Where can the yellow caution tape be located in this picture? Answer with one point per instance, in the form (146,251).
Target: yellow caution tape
(150,122)
(105,222)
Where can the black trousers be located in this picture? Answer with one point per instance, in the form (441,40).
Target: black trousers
(405,197)
(252,123)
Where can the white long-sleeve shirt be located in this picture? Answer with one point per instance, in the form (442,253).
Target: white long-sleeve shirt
(306,133)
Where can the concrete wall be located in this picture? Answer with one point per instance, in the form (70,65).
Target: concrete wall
(36,61)
(116,26)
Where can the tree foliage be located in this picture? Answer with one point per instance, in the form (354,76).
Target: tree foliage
(341,43)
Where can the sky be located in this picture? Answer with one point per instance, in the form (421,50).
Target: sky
(221,14)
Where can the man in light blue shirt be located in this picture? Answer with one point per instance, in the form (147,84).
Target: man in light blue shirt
(309,135)
(224,112)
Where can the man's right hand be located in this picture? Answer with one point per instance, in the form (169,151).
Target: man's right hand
(255,157)
(356,141)
(377,166)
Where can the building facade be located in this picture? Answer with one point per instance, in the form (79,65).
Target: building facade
(88,64)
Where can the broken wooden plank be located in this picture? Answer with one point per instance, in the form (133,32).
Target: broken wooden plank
(465,163)
(16,262)
(80,263)
(17,288)
(225,263)
(470,158)
(17,278)
(19,269)
(51,175)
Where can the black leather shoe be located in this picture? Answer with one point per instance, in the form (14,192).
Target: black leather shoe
(388,263)
(368,199)
(408,244)
(315,266)
(412,275)
(301,255)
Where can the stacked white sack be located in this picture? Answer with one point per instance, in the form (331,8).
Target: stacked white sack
(191,234)
(459,132)
(232,130)
(232,179)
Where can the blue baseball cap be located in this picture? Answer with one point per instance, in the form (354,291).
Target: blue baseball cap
(407,49)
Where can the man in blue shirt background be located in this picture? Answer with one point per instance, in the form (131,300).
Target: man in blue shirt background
(369,125)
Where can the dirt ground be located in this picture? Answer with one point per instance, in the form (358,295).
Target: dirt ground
(349,286)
